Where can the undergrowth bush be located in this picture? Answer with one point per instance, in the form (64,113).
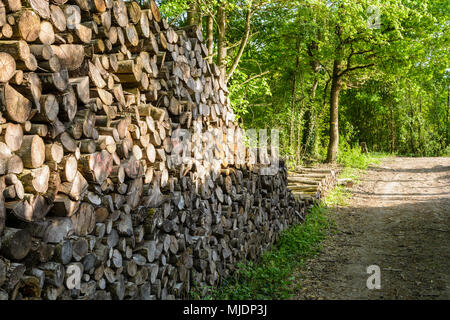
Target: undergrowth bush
(352,156)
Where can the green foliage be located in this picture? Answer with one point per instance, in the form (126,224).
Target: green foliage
(399,104)
(242,91)
(446,153)
(351,156)
(173,9)
(354,163)
(271,277)
(338,197)
(409,76)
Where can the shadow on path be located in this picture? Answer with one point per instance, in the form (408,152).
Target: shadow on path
(397,220)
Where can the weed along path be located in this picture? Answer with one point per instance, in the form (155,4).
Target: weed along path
(398,219)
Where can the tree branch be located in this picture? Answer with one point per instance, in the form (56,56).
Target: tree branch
(357,67)
(242,46)
(254,77)
(311,55)
(352,53)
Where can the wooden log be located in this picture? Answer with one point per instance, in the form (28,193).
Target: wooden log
(58,18)
(54,80)
(31,88)
(41,7)
(54,153)
(81,87)
(13,136)
(27,26)
(70,165)
(68,143)
(13,5)
(120,16)
(16,107)
(32,151)
(155,11)
(71,56)
(54,185)
(36,180)
(63,206)
(63,252)
(16,243)
(75,189)
(40,51)
(15,272)
(97,166)
(49,109)
(51,65)
(13,165)
(57,230)
(68,102)
(54,273)
(46,33)
(7,67)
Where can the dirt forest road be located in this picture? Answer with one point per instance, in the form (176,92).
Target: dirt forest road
(398,219)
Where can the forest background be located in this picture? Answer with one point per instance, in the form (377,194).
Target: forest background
(332,75)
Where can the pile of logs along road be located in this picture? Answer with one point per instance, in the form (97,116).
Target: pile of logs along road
(103,194)
(311,184)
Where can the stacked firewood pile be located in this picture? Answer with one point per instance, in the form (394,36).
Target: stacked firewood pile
(311,184)
(103,196)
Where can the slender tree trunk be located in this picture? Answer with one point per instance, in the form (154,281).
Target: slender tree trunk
(299,137)
(210,36)
(199,16)
(294,96)
(194,15)
(242,46)
(221,40)
(310,114)
(448,111)
(300,118)
(419,129)
(191,13)
(411,124)
(411,134)
(391,108)
(336,87)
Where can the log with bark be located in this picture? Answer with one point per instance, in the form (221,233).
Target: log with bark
(120,158)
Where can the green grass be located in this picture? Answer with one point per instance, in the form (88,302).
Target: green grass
(352,157)
(377,156)
(339,196)
(272,277)
(355,163)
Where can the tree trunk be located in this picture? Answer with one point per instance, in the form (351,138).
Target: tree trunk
(391,108)
(210,36)
(419,129)
(310,116)
(191,14)
(336,87)
(294,97)
(301,111)
(242,46)
(448,116)
(194,16)
(309,139)
(411,124)
(221,40)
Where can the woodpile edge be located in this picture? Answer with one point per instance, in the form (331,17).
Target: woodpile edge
(95,202)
